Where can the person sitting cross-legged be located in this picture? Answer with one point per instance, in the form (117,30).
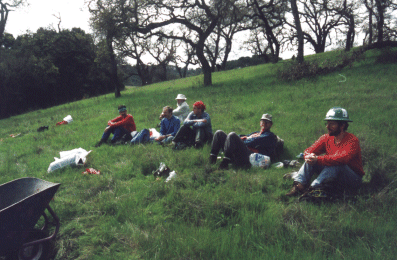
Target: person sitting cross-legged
(237,149)
(169,126)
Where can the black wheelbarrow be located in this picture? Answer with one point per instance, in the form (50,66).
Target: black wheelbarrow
(22,203)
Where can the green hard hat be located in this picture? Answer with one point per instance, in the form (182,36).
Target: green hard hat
(337,114)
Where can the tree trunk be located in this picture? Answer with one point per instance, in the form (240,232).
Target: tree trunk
(380,19)
(350,34)
(113,68)
(299,31)
(228,49)
(204,64)
(371,13)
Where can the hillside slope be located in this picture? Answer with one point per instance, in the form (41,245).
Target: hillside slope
(204,213)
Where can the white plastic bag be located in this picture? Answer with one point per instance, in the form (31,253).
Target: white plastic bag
(68,119)
(259,160)
(171,176)
(73,157)
(154,133)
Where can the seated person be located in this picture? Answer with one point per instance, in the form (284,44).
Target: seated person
(119,126)
(196,129)
(169,126)
(182,110)
(335,157)
(237,149)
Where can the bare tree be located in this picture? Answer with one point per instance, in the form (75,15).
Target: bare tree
(380,10)
(299,31)
(161,18)
(107,21)
(6,6)
(182,62)
(348,9)
(270,16)
(219,44)
(320,17)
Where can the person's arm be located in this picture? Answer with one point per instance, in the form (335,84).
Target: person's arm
(202,122)
(162,127)
(124,121)
(189,121)
(265,143)
(345,154)
(319,147)
(114,120)
(176,126)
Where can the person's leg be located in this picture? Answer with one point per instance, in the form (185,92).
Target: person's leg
(184,135)
(218,142)
(306,172)
(341,175)
(118,132)
(303,177)
(236,150)
(141,137)
(106,135)
(201,137)
(168,140)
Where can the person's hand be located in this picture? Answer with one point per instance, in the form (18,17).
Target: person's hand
(160,138)
(107,129)
(243,137)
(311,159)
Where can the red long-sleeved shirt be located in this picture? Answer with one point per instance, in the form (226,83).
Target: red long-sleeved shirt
(347,152)
(126,122)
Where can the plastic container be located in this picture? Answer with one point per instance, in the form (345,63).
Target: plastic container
(259,160)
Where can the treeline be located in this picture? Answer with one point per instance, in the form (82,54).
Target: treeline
(47,68)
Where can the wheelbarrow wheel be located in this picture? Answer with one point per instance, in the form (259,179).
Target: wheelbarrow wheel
(35,252)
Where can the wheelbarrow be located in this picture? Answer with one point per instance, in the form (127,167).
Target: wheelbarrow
(22,204)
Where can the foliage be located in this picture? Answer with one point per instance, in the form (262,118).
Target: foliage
(48,68)
(205,213)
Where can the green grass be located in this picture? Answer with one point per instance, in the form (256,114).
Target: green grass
(204,213)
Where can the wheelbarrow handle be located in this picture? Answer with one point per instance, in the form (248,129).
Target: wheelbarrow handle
(57,225)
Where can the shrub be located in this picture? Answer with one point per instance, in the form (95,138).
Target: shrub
(308,69)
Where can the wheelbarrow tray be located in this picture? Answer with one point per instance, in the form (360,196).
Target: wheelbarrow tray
(22,202)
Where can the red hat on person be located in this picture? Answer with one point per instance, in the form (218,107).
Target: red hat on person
(199,104)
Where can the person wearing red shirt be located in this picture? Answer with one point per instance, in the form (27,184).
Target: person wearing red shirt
(119,126)
(335,156)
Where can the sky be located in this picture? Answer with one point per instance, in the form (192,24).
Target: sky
(40,13)
(73,13)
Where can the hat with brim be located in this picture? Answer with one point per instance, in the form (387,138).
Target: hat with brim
(181,96)
(337,114)
(267,117)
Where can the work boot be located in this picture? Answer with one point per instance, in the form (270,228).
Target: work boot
(224,164)
(297,188)
(212,159)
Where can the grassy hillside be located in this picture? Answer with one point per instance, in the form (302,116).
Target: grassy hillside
(204,213)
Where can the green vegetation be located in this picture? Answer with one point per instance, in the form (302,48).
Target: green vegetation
(204,213)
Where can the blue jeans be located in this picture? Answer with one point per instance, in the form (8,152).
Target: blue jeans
(117,132)
(141,137)
(144,137)
(167,140)
(340,175)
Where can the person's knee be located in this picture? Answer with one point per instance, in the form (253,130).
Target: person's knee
(219,132)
